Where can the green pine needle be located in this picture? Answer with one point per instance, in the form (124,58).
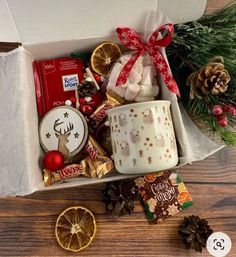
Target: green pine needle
(227,136)
(84,56)
(193,45)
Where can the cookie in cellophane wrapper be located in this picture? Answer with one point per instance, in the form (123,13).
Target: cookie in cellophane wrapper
(163,194)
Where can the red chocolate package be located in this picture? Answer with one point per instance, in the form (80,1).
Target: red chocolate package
(56,81)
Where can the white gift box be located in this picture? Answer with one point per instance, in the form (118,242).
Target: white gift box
(55,28)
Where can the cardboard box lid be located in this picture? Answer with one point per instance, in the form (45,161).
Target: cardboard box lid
(41,21)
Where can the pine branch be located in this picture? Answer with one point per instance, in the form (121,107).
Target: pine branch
(212,128)
(227,136)
(212,35)
(193,45)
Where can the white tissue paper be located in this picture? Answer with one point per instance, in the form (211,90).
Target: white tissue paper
(19,143)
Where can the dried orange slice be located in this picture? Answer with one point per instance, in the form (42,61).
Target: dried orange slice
(150,177)
(75,228)
(184,197)
(104,56)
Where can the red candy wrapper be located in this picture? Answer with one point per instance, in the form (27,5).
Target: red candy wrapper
(112,100)
(69,172)
(163,194)
(56,81)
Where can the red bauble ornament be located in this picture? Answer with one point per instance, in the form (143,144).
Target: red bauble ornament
(217,110)
(53,160)
(222,121)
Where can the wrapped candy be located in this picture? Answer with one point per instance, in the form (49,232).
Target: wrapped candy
(112,100)
(96,165)
(98,162)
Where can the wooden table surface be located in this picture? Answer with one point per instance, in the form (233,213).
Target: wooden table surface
(27,223)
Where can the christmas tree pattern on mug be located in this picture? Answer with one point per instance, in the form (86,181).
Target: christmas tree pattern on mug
(64,129)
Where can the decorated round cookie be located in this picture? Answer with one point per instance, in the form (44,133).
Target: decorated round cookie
(64,129)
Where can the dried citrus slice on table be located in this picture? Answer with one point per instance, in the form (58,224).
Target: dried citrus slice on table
(104,56)
(75,228)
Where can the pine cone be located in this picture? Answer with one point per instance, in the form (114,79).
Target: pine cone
(119,196)
(211,79)
(194,232)
(86,88)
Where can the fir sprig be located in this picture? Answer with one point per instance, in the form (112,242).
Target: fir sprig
(194,44)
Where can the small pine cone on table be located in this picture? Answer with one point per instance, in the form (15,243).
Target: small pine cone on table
(119,196)
(194,232)
(213,79)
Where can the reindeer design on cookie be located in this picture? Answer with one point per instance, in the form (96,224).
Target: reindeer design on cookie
(63,129)
(63,137)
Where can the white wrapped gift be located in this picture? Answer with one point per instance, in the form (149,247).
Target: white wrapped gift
(49,29)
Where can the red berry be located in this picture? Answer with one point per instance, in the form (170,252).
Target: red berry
(73,99)
(217,110)
(97,77)
(86,109)
(82,100)
(226,107)
(222,121)
(53,160)
(232,111)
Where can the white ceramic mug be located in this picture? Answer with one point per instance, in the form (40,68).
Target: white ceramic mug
(143,138)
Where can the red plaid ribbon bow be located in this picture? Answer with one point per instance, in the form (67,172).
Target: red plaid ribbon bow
(132,40)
